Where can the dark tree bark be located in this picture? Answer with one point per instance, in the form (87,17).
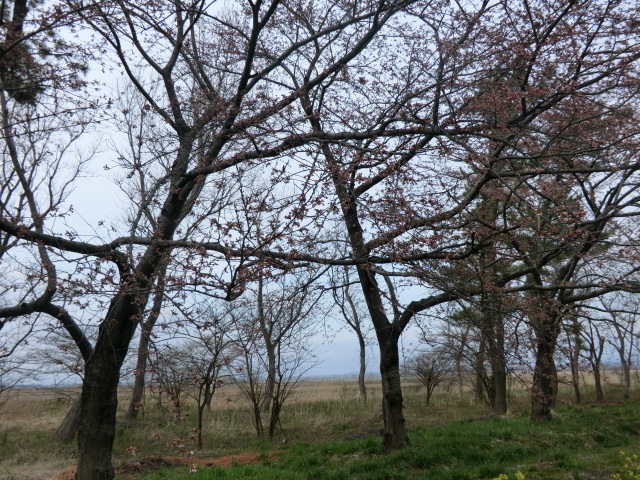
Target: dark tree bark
(499,404)
(100,387)
(395,434)
(545,375)
(598,383)
(493,333)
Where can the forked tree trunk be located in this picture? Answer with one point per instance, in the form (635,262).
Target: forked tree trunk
(387,333)
(143,347)
(100,389)
(208,398)
(274,419)
(257,419)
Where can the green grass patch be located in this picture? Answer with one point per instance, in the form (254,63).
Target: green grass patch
(580,443)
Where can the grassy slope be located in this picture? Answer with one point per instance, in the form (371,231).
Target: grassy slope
(581,443)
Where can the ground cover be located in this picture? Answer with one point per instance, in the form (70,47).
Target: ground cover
(583,443)
(328,434)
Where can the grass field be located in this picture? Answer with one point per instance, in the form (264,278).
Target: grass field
(328,434)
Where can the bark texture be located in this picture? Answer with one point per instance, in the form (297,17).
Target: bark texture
(545,375)
(395,435)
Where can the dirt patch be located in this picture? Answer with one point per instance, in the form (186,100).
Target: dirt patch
(131,469)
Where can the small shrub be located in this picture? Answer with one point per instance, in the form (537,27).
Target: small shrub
(518,476)
(630,470)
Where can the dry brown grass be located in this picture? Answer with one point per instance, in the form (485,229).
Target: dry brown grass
(320,410)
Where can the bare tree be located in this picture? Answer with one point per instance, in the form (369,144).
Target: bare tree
(15,369)
(594,344)
(42,120)
(352,313)
(431,368)
(210,358)
(622,324)
(272,338)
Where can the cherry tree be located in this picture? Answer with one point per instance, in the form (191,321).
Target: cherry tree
(215,80)
(392,120)
(501,98)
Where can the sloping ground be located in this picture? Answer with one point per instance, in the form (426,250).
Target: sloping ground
(133,469)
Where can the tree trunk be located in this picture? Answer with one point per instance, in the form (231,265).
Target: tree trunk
(430,390)
(459,376)
(626,371)
(257,419)
(208,397)
(201,407)
(276,408)
(574,361)
(100,388)
(395,435)
(544,388)
(266,329)
(67,430)
(480,380)
(141,369)
(554,383)
(500,387)
(495,342)
(362,386)
(575,380)
(143,346)
(270,381)
(97,428)
(598,383)
(478,388)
